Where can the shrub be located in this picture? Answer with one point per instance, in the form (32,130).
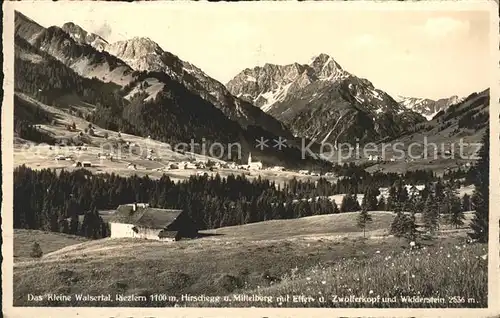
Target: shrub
(36,250)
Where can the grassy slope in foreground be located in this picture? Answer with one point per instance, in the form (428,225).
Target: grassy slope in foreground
(455,276)
(267,257)
(49,242)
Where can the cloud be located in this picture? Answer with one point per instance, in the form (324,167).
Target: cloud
(444,26)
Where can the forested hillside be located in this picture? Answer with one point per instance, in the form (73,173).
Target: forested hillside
(174,115)
(49,200)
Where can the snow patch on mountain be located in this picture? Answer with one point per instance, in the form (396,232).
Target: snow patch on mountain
(427,107)
(272,97)
(264,86)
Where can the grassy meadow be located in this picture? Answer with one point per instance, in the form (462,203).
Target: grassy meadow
(447,276)
(318,256)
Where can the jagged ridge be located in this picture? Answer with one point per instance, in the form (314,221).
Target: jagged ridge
(322,101)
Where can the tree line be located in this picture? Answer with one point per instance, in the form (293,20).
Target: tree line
(69,202)
(57,200)
(438,203)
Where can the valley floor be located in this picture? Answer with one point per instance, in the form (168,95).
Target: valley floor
(42,156)
(320,255)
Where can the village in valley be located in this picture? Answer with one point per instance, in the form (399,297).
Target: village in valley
(113,203)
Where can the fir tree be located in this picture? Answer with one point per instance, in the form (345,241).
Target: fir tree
(74,226)
(402,193)
(426,192)
(392,199)
(430,215)
(349,203)
(479,224)
(335,207)
(412,232)
(452,206)
(398,225)
(439,190)
(404,225)
(381,206)
(63,225)
(370,199)
(466,203)
(363,219)
(455,216)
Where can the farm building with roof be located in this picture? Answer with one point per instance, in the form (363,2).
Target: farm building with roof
(142,221)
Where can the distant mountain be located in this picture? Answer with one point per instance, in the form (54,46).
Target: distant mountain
(464,122)
(143,54)
(81,36)
(465,117)
(78,55)
(267,85)
(322,101)
(427,107)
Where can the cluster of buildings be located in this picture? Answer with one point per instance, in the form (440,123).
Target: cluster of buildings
(379,158)
(412,190)
(315,174)
(80,164)
(202,164)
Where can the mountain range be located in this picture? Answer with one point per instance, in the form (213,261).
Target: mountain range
(143,54)
(324,102)
(428,107)
(137,86)
(139,77)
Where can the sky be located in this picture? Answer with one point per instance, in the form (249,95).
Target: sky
(416,53)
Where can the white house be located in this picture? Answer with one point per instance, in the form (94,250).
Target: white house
(138,220)
(190,165)
(87,164)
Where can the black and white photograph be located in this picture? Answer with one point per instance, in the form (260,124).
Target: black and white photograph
(247,156)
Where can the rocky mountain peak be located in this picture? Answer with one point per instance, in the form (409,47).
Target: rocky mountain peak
(325,67)
(322,101)
(81,36)
(135,48)
(264,86)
